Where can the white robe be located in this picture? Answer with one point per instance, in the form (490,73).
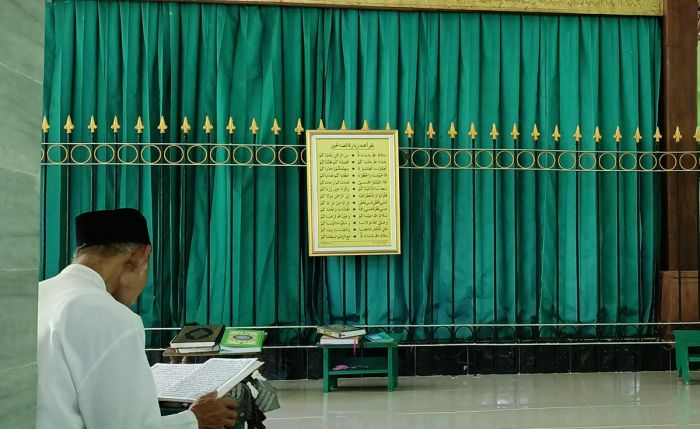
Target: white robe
(93,372)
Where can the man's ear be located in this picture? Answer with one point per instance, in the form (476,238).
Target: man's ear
(145,251)
(143,254)
(138,258)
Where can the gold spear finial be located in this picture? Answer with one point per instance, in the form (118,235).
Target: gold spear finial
(535,133)
(230,127)
(115,125)
(343,126)
(472,131)
(618,135)
(365,125)
(431,131)
(139,125)
(92,125)
(320,125)
(697,135)
(556,135)
(657,135)
(597,136)
(677,135)
(299,129)
(207,125)
(494,132)
(69,125)
(514,133)
(577,134)
(45,125)
(409,131)
(254,127)
(185,127)
(162,126)
(275,128)
(637,136)
(453,131)
(388,126)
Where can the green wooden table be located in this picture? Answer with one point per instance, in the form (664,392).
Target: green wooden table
(359,364)
(685,339)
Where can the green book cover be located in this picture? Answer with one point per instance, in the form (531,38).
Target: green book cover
(242,338)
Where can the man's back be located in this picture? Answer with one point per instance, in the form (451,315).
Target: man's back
(79,324)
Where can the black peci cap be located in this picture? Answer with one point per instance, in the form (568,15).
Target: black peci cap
(111,226)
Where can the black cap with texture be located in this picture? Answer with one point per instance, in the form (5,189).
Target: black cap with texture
(110,227)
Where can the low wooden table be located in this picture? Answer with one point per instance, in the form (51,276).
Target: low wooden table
(359,364)
(176,357)
(685,339)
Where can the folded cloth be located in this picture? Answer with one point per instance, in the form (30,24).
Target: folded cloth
(248,410)
(266,397)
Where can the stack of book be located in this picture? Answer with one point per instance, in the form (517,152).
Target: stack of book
(339,334)
(198,339)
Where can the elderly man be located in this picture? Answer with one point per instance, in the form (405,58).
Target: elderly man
(93,371)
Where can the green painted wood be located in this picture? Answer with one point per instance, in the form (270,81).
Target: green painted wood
(685,339)
(363,365)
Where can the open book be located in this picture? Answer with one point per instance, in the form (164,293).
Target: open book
(187,382)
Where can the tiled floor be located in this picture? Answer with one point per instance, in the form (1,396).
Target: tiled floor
(608,400)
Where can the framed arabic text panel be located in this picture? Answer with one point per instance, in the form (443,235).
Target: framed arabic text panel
(353,192)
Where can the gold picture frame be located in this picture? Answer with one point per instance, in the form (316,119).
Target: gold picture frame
(353,192)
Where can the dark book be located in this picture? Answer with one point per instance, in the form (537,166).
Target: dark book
(340,331)
(198,336)
(185,350)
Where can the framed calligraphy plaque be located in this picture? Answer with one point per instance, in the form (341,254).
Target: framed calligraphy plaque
(353,192)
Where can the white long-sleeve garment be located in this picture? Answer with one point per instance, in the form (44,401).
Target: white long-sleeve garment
(93,372)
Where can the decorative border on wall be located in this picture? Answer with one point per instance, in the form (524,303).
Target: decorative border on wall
(578,7)
(504,152)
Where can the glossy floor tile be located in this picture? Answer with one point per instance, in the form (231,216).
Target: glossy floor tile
(599,400)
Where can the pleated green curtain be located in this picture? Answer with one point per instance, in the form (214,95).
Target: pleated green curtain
(478,246)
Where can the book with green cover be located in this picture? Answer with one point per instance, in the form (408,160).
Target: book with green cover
(242,341)
(340,331)
(380,337)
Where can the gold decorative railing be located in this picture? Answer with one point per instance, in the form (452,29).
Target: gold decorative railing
(504,153)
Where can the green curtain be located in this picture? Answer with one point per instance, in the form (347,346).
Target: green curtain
(478,246)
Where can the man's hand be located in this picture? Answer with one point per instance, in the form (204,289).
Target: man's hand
(215,413)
